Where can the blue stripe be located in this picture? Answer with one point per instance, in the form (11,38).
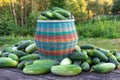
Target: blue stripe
(55,24)
(55,33)
(56,46)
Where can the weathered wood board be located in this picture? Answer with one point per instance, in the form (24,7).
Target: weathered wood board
(15,74)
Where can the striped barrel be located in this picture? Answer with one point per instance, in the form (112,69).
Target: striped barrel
(55,39)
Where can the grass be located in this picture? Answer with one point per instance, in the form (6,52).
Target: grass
(111,44)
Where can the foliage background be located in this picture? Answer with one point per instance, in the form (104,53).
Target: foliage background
(18,17)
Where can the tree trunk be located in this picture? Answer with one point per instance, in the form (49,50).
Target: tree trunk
(13,11)
(22,11)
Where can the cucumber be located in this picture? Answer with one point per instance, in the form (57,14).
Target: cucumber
(57,8)
(21,65)
(78,55)
(40,66)
(6,62)
(90,53)
(113,60)
(100,55)
(5,54)
(31,48)
(106,52)
(29,63)
(46,61)
(7,49)
(37,69)
(85,66)
(29,57)
(77,48)
(14,57)
(40,17)
(66,70)
(64,12)
(24,45)
(117,55)
(103,67)
(65,61)
(89,60)
(87,46)
(49,15)
(96,60)
(58,16)
(77,62)
(19,53)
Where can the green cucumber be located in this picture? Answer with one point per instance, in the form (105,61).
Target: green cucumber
(21,65)
(58,16)
(64,12)
(117,55)
(103,67)
(85,66)
(7,49)
(113,60)
(14,57)
(29,57)
(37,69)
(57,8)
(100,55)
(106,52)
(87,46)
(90,53)
(66,70)
(65,61)
(19,53)
(31,48)
(24,45)
(77,62)
(78,55)
(6,62)
(5,54)
(46,61)
(96,60)
(40,17)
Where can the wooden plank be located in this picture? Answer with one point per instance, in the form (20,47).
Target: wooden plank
(115,75)
(11,75)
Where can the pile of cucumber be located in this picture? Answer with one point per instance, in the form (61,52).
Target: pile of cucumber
(55,13)
(24,56)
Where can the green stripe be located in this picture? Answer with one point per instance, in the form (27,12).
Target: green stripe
(55,33)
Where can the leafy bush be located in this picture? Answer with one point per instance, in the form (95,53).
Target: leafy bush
(100,27)
(116,7)
(6,23)
(99,7)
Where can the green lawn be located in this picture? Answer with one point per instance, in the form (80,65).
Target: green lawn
(112,44)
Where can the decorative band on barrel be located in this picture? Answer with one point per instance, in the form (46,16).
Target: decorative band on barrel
(56,52)
(62,38)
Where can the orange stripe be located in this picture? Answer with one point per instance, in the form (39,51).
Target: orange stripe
(56,52)
(60,39)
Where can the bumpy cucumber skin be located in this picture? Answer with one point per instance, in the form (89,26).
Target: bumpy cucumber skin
(87,46)
(14,57)
(57,15)
(6,62)
(85,66)
(100,55)
(29,57)
(66,70)
(103,67)
(96,60)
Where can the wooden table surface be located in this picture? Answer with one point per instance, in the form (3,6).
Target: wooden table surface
(15,74)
